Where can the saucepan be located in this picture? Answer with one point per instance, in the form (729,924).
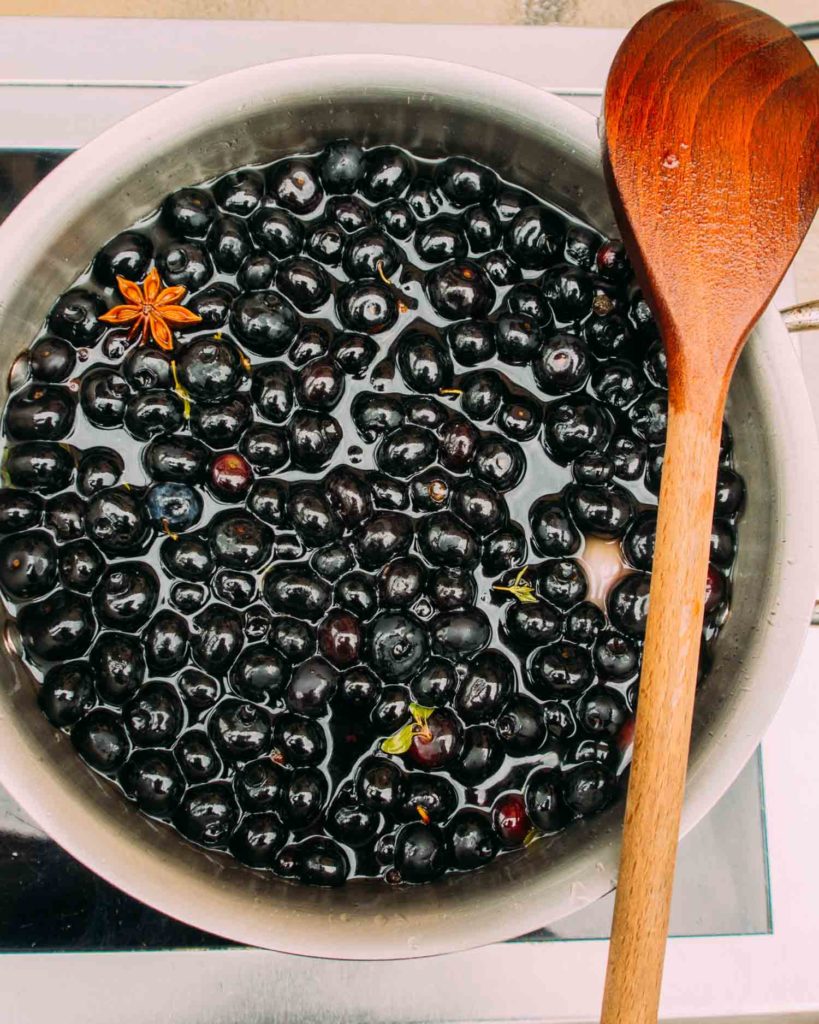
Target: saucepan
(542,143)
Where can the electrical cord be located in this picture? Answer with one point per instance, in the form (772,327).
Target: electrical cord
(806,29)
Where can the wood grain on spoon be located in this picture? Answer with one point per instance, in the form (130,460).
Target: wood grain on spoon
(711,146)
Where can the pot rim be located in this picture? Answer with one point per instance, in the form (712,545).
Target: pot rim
(101,843)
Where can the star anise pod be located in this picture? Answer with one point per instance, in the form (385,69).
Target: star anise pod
(151,309)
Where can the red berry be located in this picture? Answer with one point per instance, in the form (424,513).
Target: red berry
(339,638)
(510,820)
(438,743)
(714,590)
(230,475)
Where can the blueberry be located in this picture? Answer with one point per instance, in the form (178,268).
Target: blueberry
(295,589)
(606,334)
(452,589)
(375,414)
(463,181)
(81,565)
(544,800)
(654,469)
(572,426)
(257,273)
(313,438)
(420,853)
(357,593)
(324,243)
(519,417)
(628,456)
(40,412)
(458,634)
(185,263)
(562,582)
(257,840)
(638,544)
(66,516)
(354,353)
(479,506)
(341,166)
(239,192)
(628,604)
(240,731)
(146,368)
(432,793)
(615,656)
(348,212)
(266,323)
(175,458)
(188,212)
(532,625)
(439,240)
(499,462)
(397,645)
(295,186)
(28,564)
(397,218)
(649,416)
(127,255)
(501,269)
(217,638)
(424,199)
(588,788)
(19,510)
(370,253)
(154,716)
(519,339)
(153,780)
(187,558)
(305,283)
(154,412)
(101,740)
(485,686)
(175,506)
(229,244)
(730,497)
(457,442)
(379,784)
(259,785)
(521,727)
(482,228)
(322,862)
(348,494)
(320,384)
(311,342)
(213,304)
(655,365)
(51,360)
(222,424)
(481,394)
(612,261)
(265,448)
(459,290)
(301,740)
(471,341)
(570,292)
(559,669)
(526,299)
(353,824)
(165,640)
(583,622)
(605,511)
(387,173)
(535,237)
(75,317)
(207,814)
(431,490)
(581,246)
(562,365)
(470,840)
(366,306)
(503,550)
(424,363)
(67,693)
(57,627)
(239,541)
(104,396)
(333,561)
(304,797)
(199,690)
(276,231)
(384,536)
(312,686)
(723,544)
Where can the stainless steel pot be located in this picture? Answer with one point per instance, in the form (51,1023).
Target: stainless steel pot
(543,143)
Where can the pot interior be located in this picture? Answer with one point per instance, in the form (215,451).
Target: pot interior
(537,142)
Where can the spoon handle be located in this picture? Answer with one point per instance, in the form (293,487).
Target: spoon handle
(666,702)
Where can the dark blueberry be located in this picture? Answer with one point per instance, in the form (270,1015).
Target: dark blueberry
(305,283)
(311,515)
(259,785)
(165,641)
(535,237)
(304,797)
(458,441)
(229,244)
(313,438)
(397,645)
(67,693)
(357,593)
(116,344)
(311,342)
(561,668)
(628,455)
(641,318)
(532,625)
(75,317)
(81,565)
(655,365)
(485,686)
(188,212)
(463,181)
(341,166)
(320,384)
(101,740)
(510,819)
(638,545)
(374,415)
(601,511)
(482,228)
(654,469)
(153,780)
(434,685)
(188,558)
(268,501)
(570,292)
(154,716)
(471,341)
(601,750)
(584,622)
(379,784)
(210,368)
(239,192)
(460,290)
(528,300)
(186,264)
(65,516)
(481,394)
(588,788)
(146,368)
(420,852)
(602,712)
(387,173)
(392,709)
(333,561)
(481,755)
(499,462)
(424,199)
(594,469)
(424,363)
(649,416)
(348,212)
(217,637)
(240,731)
(257,621)
(175,458)
(470,840)
(51,360)
(501,269)
(324,243)
(257,840)
(562,365)
(573,426)
(348,494)
(188,597)
(425,412)
(367,306)
(302,741)
(560,721)
(351,823)
(295,186)
(354,353)
(730,497)
(615,656)
(265,322)
(312,685)
(401,582)
(265,448)
(213,304)
(127,255)
(503,550)
(444,540)
(173,507)
(519,339)
(369,254)
(521,726)
(386,535)
(199,690)
(339,639)
(581,246)
(723,544)
(258,272)
(296,590)
(239,540)
(432,798)
(606,334)
(358,688)
(196,756)
(28,564)
(612,261)
(118,662)
(450,589)
(19,510)
(154,412)
(628,604)
(562,582)
(221,425)
(431,490)
(276,231)
(40,412)
(322,862)
(458,634)
(126,595)
(544,800)
(439,240)
(479,506)
(397,218)
(104,396)
(207,814)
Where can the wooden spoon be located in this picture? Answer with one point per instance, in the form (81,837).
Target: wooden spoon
(711,146)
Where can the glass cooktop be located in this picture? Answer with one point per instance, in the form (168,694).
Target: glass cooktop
(49,902)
